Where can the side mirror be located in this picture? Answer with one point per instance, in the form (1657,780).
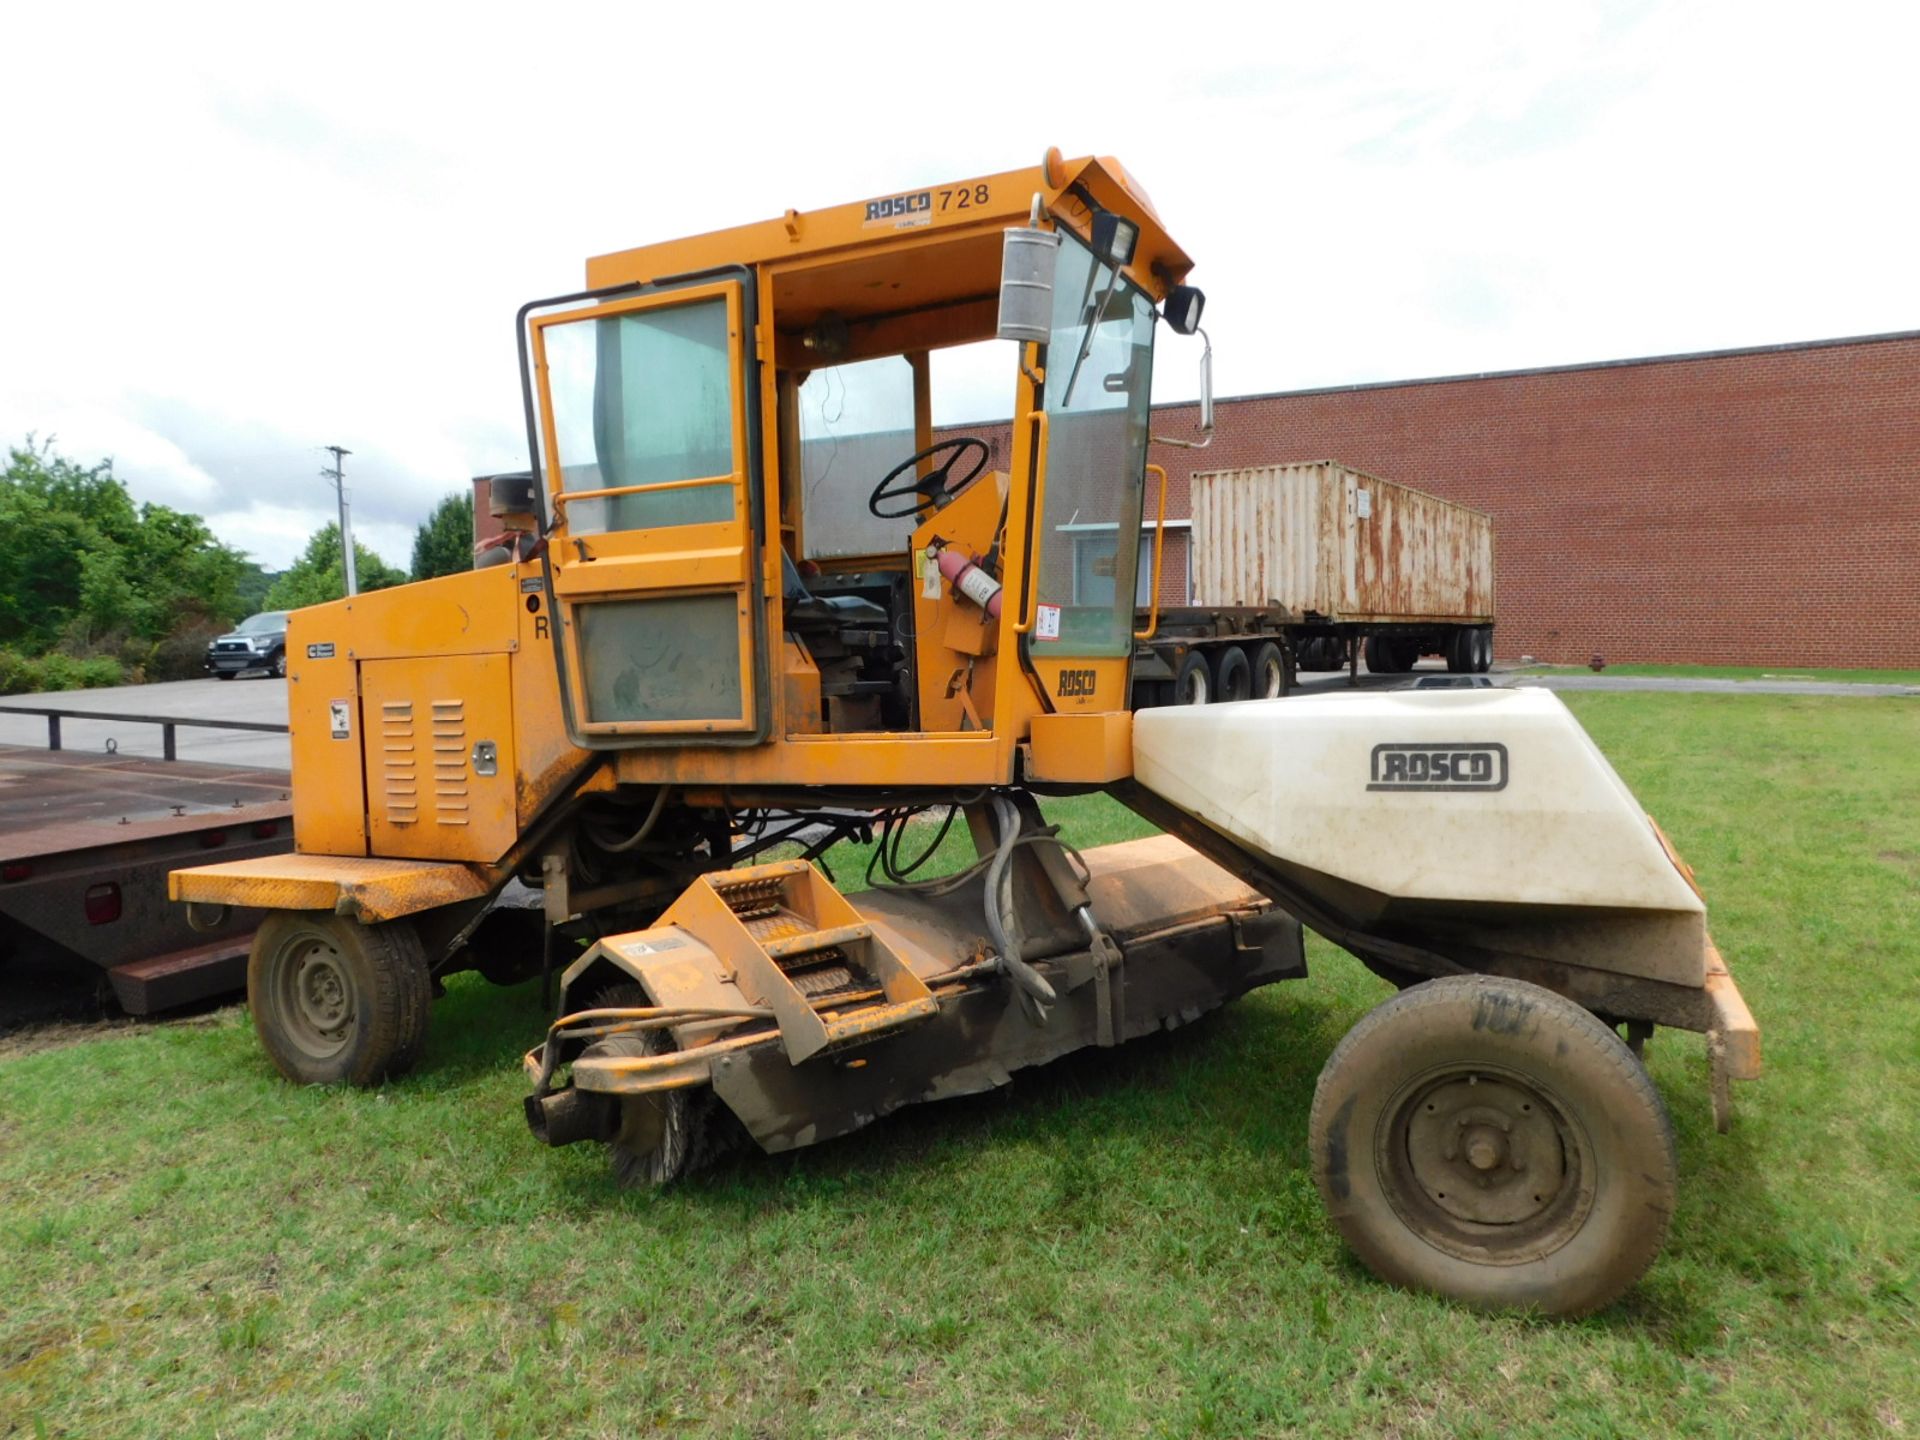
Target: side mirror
(1027,261)
(1206,389)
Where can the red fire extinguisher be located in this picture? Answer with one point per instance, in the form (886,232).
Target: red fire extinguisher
(970,580)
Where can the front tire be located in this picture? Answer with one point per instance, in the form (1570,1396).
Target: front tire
(278,670)
(1493,1142)
(336,1001)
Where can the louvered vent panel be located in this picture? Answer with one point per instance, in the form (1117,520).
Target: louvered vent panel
(399,764)
(450,762)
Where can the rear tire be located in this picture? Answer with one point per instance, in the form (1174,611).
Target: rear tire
(1232,676)
(1491,1141)
(337,1001)
(1270,677)
(1482,651)
(1193,682)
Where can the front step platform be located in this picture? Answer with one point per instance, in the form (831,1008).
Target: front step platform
(795,945)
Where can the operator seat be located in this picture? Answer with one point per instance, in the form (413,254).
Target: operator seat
(810,613)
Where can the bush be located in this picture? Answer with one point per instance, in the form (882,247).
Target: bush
(183,654)
(26,675)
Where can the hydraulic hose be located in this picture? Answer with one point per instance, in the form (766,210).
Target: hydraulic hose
(620,847)
(1035,991)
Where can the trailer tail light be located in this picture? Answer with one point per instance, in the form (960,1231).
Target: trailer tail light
(17,870)
(103,904)
(210,839)
(265,829)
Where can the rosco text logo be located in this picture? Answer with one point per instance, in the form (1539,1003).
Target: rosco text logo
(1442,765)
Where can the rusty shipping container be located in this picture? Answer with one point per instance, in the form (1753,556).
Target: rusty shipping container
(1323,540)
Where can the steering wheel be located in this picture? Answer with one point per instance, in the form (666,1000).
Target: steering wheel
(937,484)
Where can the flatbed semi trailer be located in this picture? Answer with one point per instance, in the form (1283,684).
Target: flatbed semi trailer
(1316,566)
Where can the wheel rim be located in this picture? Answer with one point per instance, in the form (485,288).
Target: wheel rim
(1194,687)
(1485,1164)
(1273,679)
(314,999)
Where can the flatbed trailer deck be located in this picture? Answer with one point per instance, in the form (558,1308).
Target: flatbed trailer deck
(86,841)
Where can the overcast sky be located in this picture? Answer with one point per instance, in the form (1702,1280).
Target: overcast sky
(232,236)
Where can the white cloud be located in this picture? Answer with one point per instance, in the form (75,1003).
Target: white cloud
(238,234)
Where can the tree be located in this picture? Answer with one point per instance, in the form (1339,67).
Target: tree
(316,577)
(444,544)
(84,565)
(255,581)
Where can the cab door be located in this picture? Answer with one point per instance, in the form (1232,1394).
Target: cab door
(1090,475)
(647,431)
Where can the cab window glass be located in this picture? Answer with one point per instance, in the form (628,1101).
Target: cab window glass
(645,398)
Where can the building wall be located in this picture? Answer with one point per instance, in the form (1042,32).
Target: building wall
(1745,508)
(1757,507)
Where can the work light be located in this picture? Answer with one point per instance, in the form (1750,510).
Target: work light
(1114,238)
(1182,309)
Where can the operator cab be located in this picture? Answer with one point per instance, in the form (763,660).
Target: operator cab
(805,489)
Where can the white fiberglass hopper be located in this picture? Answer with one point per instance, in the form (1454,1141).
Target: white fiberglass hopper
(1468,825)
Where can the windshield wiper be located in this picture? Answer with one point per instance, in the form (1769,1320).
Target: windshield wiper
(1086,342)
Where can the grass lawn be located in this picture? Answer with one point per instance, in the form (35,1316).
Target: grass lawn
(1126,1243)
(1738,672)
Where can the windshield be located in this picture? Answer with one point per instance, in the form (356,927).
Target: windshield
(1099,373)
(267,623)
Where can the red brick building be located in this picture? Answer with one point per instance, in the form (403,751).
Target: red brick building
(1742,507)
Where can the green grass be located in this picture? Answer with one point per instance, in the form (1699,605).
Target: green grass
(1127,1243)
(1740,672)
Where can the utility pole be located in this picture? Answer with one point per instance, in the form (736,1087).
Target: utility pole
(346,520)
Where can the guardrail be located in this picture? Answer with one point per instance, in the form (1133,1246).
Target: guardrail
(55,714)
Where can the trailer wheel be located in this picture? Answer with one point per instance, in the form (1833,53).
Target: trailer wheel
(1193,683)
(1493,1142)
(1389,655)
(1461,652)
(334,1000)
(1270,677)
(1482,651)
(1232,676)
